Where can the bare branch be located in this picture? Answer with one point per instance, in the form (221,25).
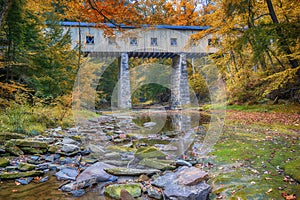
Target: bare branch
(101,13)
(258,17)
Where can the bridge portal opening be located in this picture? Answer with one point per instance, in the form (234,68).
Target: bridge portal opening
(151,94)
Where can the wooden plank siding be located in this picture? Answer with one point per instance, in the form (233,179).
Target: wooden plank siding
(102,46)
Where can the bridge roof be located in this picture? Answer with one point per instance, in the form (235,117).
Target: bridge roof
(88,24)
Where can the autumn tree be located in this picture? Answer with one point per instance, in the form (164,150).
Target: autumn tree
(36,53)
(254,52)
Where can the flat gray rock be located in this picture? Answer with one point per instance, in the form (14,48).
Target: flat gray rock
(97,171)
(91,175)
(187,183)
(122,171)
(67,174)
(69,148)
(68,140)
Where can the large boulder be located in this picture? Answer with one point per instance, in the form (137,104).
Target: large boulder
(187,183)
(91,175)
(97,171)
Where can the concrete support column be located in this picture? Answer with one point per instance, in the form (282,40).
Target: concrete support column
(180,93)
(124,96)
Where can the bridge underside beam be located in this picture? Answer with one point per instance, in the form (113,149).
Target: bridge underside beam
(146,54)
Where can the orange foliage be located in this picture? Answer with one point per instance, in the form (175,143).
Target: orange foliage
(7,89)
(107,11)
(136,13)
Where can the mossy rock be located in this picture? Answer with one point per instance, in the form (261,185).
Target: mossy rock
(121,149)
(4,162)
(31,143)
(14,175)
(292,169)
(9,136)
(14,150)
(53,149)
(25,167)
(114,190)
(112,155)
(158,164)
(31,150)
(89,160)
(78,138)
(122,171)
(152,141)
(109,133)
(149,152)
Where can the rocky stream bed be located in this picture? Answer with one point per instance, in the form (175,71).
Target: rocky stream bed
(115,157)
(109,156)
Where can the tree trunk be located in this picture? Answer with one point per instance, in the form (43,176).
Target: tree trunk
(3,12)
(282,41)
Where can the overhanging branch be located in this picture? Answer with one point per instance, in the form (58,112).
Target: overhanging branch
(91,3)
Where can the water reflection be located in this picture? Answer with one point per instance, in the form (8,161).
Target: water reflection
(177,127)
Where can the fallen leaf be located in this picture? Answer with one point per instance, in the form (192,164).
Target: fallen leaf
(255,171)
(285,179)
(269,191)
(288,197)
(14,190)
(267,178)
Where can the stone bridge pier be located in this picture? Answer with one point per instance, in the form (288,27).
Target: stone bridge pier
(180,93)
(124,96)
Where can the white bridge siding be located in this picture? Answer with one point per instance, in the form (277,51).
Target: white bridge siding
(157,42)
(103,47)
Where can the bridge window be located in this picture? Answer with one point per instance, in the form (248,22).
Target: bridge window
(111,40)
(133,41)
(173,41)
(153,41)
(209,41)
(194,42)
(90,39)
